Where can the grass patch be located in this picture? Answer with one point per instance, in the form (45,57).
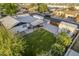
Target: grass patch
(39,42)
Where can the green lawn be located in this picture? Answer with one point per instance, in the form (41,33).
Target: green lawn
(39,42)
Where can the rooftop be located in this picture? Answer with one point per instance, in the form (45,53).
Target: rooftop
(76,46)
(9,22)
(73,53)
(54,19)
(25,18)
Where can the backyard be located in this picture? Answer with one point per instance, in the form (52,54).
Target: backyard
(44,43)
(39,42)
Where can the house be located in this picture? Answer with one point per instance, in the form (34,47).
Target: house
(71,13)
(25,18)
(9,22)
(67,27)
(54,21)
(70,19)
(72,53)
(77,18)
(58,6)
(35,23)
(59,12)
(28,19)
(32,20)
(38,15)
(13,25)
(21,23)
(65,13)
(23,5)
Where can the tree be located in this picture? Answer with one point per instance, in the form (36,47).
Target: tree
(57,50)
(10,45)
(9,8)
(64,39)
(42,8)
(32,7)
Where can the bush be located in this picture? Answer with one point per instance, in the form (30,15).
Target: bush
(57,50)
(9,8)
(64,39)
(10,45)
(42,8)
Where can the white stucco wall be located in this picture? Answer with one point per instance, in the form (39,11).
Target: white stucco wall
(71,27)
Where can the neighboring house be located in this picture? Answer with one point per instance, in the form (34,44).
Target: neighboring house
(29,7)
(65,13)
(22,11)
(23,5)
(54,21)
(33,9)
(70,19)
(67,27)
(38,16)
(71,13)
(51,9)
(62,6)
(59,12)
(77,18)
(72,53)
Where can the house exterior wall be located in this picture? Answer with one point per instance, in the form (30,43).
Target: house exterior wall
(67,26)
(19,29)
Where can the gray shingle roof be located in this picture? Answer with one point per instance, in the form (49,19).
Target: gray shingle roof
(25,18)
